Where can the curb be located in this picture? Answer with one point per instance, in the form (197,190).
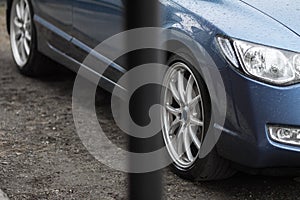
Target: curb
(3,196)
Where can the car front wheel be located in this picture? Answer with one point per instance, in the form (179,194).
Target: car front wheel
(185,117)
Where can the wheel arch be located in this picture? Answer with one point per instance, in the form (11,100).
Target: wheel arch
(188,55)
(175,45)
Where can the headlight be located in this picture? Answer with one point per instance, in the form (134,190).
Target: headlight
(267,64)
(286,135)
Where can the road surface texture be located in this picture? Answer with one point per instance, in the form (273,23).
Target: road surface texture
(42,157)
(3,196)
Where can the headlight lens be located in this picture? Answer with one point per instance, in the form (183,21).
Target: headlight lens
(267,64)
(297,64)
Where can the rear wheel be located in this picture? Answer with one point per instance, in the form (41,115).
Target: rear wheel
(185,118)
(24,42)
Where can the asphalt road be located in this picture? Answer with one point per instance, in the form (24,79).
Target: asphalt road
(42,157)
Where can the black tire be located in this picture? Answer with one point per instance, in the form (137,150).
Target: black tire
(211,167)
(37,64)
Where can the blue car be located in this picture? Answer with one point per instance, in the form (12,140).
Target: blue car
(255,45)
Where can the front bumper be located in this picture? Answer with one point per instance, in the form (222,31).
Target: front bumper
(255,106)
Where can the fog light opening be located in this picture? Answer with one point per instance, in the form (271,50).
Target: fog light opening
(286,135)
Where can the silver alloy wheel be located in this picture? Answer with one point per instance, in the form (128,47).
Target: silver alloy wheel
(182,115)
(21,31)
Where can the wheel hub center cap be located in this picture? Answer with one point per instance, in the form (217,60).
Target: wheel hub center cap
(23,28)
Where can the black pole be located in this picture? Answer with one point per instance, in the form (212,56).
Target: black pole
(146,186)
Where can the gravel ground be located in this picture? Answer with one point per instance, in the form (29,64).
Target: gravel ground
(42,157)
(3,196)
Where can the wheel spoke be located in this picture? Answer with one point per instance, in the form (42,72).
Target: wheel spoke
(194,137)
(22,9)
(174,125)
(26,47)
(17,23)
(21,49)
(27,36)
(187,143)
(194,101)
(18,11)
(174,111)
(196,121)
(26,14)
(19,44)
(18,35)
(174,92)
(189,89)
(180,142)
(181,86)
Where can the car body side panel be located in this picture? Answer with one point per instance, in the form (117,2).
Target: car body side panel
(54,22)
(97,20)
(93,22)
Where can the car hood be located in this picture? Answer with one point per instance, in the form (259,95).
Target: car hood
(285,12)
